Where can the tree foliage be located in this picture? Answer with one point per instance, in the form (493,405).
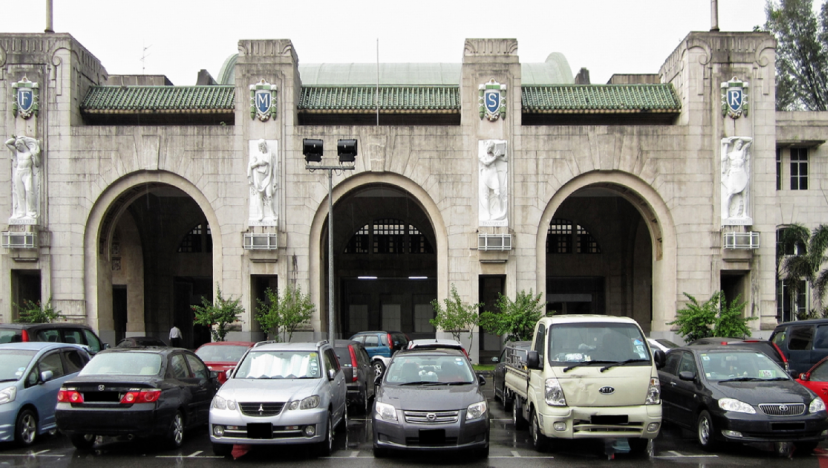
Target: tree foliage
(35,312)
(800,256)
(456,316)
(715,317)
(515,319)
(801,54)
(283,314)
(217,315)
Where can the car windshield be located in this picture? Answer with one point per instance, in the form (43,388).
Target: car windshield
(739,366)
(405,370)
(221,353)
(124,364)
(606,342)
(280,365)
(13,362)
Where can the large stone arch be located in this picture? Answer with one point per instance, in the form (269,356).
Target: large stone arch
(318,283)
(107,209)
(659,221)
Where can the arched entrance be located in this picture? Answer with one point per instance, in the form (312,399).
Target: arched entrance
(150,246)
(609,248)
(387,243)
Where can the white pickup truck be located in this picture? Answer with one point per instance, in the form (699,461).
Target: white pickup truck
(587,376)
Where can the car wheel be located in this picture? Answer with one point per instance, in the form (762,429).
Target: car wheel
(343,423)
(517,416)
(222,450)
(326,446)
(379,368)
(805,448)
(25,429)
(175,433)
(539,441)
(82,441)
(705,432)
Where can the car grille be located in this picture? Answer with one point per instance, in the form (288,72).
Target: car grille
(431,417)
(261,409)
(775,409)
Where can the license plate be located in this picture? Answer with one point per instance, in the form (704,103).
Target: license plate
(432,437)
(260,431)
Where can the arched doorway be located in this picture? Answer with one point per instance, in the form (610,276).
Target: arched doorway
(152,246)
(385,261)
(609,248)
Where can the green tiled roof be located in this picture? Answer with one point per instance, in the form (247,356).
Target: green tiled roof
(161,99)
(600,99)
(392,99)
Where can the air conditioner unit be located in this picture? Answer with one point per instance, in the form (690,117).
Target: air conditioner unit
(494,242)
(19,240)
(741,240)
(260,241)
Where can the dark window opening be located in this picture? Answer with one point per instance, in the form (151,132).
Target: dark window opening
(198,240)
(799,169)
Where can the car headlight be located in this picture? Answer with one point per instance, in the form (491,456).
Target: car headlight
(816,405)
(386,412)
(309,402)
(223,403)
(8,394)
(729,404)
(476,411)
(554,393)
(653,392)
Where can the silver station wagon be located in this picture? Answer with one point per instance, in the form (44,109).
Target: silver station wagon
(281,393)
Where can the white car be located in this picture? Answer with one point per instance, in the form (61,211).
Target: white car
(662,344)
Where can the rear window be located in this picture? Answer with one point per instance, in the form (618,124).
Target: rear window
(221,353)
(10,336)
(124,364)
(801,338)
(344,355)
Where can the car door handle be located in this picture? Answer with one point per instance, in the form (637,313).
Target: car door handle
(673,384)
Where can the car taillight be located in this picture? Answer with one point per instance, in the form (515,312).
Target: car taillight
(24,335)
(69,396)
(390,341)
(353,363)
(464,352)
(141,396)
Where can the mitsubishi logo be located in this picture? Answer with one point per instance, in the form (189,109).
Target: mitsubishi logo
(261,408)
(101,388)
(431,417)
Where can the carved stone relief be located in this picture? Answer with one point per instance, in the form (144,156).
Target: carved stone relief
(263,176)
(26,179)
(736,181)
(493,175)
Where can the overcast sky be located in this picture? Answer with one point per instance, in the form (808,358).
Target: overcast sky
(184,36)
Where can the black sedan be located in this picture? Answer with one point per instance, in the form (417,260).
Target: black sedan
(140,392)
(430,400)
(736,394)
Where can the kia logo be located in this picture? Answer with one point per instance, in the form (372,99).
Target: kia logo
(606,390)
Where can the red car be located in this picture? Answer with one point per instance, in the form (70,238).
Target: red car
(222,356)
(816,379)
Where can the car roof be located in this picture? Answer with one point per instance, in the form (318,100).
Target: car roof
(143,349)
(249,344)
(25,326)
(717,348)
(376,331)
(429,352)
(435,341)
(587,318)
(38,345)
(301,346)
(821,321)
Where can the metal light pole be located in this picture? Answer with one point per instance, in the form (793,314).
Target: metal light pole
(345,155)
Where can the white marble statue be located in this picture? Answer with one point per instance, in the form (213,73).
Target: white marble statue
(493,194)
(26,164)
(736,181)
(262,175)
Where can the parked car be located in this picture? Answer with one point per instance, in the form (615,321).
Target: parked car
(767,347)
(513,353)
(662,344)
(222,356)
(281,393)
(381,345)
(816,379)
(436,343)
(735,394)
(140,392)
(30,376)
(359,374)
(804,343)
(73,333)
(430,400)
(139,342)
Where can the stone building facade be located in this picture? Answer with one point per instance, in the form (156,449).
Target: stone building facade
(489,176)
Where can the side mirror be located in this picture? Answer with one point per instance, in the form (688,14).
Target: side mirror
(687,375)
(46,376)
(533,360)
(481,380)
(331,374)
(803,377)
(660,358)
(495,360)
(105,346)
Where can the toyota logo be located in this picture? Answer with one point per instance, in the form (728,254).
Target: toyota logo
(101,388)
(783,408)
(431,417)
(606,390)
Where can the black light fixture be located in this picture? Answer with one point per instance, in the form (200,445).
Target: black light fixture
(347,150)
(312,149)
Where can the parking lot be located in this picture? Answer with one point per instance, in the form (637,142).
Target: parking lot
(509,448)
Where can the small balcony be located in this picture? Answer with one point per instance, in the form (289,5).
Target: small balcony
(255,241)
(740,240)
(19,240)
(494,242)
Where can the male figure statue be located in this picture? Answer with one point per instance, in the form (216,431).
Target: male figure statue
(25,176)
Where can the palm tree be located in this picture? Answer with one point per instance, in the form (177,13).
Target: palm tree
(800,256)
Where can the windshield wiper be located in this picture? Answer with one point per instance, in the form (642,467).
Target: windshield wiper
(586,363)
(420,382)
(742,379)
(623,363)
